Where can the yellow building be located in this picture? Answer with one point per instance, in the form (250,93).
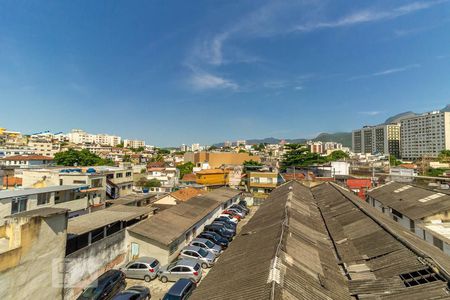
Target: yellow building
(262,182)
(218,159)
(212,177)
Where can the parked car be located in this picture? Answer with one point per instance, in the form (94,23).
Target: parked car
(226,220)
(215,238)
(243,203)
(233,214)
(226,225)
(203,256)
(136,292)
(208,245)
(241,208)
(231,218)
(221,226)
(182,268)
(237,212)
(181,290)
(220,230)
(105,286)
(142,268)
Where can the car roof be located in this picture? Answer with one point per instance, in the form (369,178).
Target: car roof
(201,240)
(179,286)
(145,259)
(186,262)
(192,248)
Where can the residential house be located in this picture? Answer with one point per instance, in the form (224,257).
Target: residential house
(262,182)
(422,211)
(119,180)
(27,161)
(359,186)
(166,233)
(218,159)
(181,195)
(45,148)
(212,177)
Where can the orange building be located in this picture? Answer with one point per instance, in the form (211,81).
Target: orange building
(212,177)
(218,159)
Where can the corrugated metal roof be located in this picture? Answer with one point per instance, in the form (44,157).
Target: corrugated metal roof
(326,228)
(170,224)
(412,201)
(33,191)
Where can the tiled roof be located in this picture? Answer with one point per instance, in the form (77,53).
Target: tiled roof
(189,177)
(322,243)
(27,157)
(187,193)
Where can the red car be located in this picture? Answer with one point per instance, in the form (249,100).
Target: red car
(231,213)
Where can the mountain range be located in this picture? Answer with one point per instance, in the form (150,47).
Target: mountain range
(345,138)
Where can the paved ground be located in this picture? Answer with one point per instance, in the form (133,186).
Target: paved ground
(158,289)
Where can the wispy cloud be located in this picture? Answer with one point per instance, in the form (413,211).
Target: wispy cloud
(370,113)
(369,15)
(202,80)
(386,72)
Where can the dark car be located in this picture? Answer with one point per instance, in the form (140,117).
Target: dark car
(136,292)
(226,220)
(105,286)
(227,226)
(220,230)
(240,207)
(181,290)
(243,203)
(215,238)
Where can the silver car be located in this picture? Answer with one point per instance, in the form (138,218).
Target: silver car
(182,268)
(207,245)
(203,256)
(142,268)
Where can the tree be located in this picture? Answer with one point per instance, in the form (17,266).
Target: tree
(212,148)
(259,147)
(444,156)
(242,151)
(84,157)
(126,158)
(337,155)
(144,182)
(300,156)
(185,168)
(119,145)
(251,163)
(435,172)
(393,161)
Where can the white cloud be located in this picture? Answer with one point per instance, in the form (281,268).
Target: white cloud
(201,80)
(386,72)
(370,15)
(298,88)
(370,113)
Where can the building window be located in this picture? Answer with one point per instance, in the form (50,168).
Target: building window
(397,214)
(412,226)
(19,204)
(119,175)
(128,174)
(43,198)
(79,182)
(438,243)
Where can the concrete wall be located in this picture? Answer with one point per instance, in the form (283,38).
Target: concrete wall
(147,247)
(27,269)
(85,265)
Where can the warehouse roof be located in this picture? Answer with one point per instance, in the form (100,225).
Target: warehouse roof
(412,201)
(324,243)
(170,224)
(39,212)
(101,218)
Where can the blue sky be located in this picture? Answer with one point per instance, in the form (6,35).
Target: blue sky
(173,72)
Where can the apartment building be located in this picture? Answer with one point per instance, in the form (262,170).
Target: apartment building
(6,152)
(315,147)
(78,136)
(218,159)
(45,148)
(75,198)
(425,135)
(133,143)
(119,180)
(381,139)
(262,182)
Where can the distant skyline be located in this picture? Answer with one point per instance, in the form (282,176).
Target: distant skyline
(174,72)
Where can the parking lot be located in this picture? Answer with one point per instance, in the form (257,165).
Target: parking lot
(158,289)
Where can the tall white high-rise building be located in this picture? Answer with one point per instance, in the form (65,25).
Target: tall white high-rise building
(381,139)
(425,135)
(133,143)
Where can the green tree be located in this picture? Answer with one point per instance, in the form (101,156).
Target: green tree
(300,156)
(251,163)
(337,155)
(444,156)
(435,172)
(84,157)
(119,145)
(185,168)
(393,161)
(126,158)
(242,151)
(144,182)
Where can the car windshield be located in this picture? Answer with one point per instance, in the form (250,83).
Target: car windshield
(91,292)
(171,265)
(154,263)
(209,244)
(196,267)
(202,252)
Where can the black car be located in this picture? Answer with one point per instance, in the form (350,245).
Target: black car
(105,286)
(243,203)
(241,208)
(181,290)
(226,220)
(225,225)
(215,238)
(136,292)
(225,233)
